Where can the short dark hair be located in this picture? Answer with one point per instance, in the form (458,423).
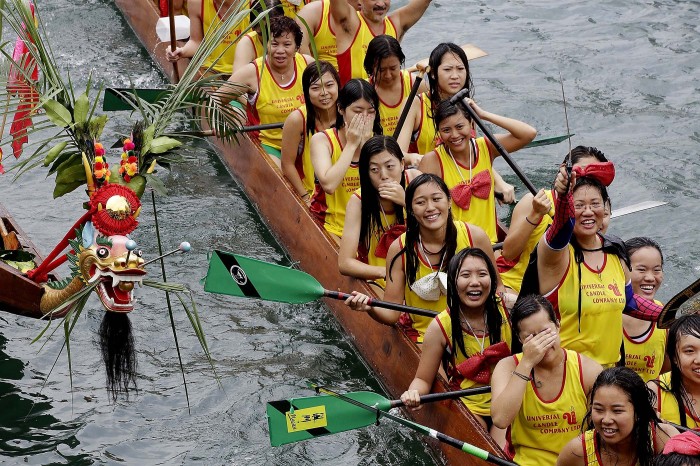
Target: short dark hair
(280,25)
(525,307)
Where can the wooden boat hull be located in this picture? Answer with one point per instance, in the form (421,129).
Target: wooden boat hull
(392,356)
(18,294)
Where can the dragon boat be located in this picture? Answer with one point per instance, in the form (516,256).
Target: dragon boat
(388,351)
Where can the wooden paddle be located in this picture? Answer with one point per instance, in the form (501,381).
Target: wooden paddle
(237,275)
(473,52)
(338,415)
(173,40)
(460,99)
(9,240)
(409,101)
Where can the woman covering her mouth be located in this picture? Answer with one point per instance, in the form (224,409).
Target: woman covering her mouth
(623,427)
(416,262)
(678,392)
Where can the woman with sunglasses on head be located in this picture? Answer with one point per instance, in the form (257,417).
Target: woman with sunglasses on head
(321,85)
(465,162)
(539,394)
(374,215)
(335,154)
(678,391)
(473,333)
(417,261)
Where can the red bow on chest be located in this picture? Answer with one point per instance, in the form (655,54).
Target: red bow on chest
(387,238)
(478,367)
(479,187)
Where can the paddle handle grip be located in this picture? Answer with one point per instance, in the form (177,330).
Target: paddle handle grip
(458,98)
(445,395)
(409,101)
(339,295)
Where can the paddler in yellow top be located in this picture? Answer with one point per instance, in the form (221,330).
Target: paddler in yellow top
(251,46)
(204,15)
(354,30)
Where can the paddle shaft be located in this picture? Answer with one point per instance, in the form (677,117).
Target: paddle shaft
(444,438)
(445,395)
(339,295)
(460,98)
(242,129)
(682,429)
(173,40)
(409,102)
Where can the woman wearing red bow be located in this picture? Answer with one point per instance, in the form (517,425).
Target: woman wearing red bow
(473,330)
(465,163)
(374,216)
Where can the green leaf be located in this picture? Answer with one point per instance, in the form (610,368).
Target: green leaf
(57,113)
(66,157)
(81,109)
(97,125)
(64,188)
(157,184)
(147,138)
(71,173)
(163,144)
(54,152)
(137,184)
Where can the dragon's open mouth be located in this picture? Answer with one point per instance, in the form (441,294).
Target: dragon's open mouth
(115,289)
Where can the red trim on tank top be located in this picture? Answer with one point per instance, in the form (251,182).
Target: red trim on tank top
(649,334)
(605,262)
(324,4)
(442,167)
(580,372)
(469,234)
(476,157)
(585,451)
(381,101)
(561,390)
(291,83)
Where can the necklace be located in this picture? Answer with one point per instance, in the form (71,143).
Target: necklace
(483,333)
(472,147)
(426,252)
(538,383)
(420,241)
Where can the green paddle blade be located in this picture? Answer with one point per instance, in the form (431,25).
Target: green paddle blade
(548,141)
(237,275)
(300,419)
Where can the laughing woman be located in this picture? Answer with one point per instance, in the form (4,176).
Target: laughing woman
(623,426)
(374,216)
(417,260)
(465,163)
(474,320)
(321,85)
(335,153)
(678,392)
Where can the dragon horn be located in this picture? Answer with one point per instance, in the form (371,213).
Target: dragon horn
(88,176)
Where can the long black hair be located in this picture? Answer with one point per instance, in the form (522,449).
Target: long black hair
(492,315)
(526,306)
(413,228)
(354,90)
(314,72)
(592,182)
(642,400)
(118,353)
(371,224)
(580,152)
(684,325)
(446,109)
(434,61)
(379,48)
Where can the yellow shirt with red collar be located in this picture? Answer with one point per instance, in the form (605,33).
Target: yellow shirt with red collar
(415,325)
(324,36)
(389,114)
(329,209)
(482,211)
(597,331)
(591,448)
(542,428)
(256,41)
(477,404)
(427,138)
(275,101)
(303,164)
(212,19)
(667,405)
(646,357)
(351,61)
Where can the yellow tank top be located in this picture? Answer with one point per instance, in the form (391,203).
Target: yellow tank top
(477,404)
(427,138)
(369,256)
(415,325)
(351,61)
(290,9)
(512,271)
(303,164)
(256,40)
(329,209)
(324,36)
(668,406)
(591,448)
(212,19)
(541,428)
(482,212)
(646,357)
(274,102)
(389,115)
(602,302)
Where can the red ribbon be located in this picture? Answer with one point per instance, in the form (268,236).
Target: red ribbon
(387,238)
(687,443)
(480,187)
(601,171)
(478,367)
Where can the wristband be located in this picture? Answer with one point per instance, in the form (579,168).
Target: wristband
(531,223)
(524,377)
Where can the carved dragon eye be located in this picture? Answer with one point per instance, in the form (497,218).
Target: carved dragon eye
(102,252)
(139,253)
